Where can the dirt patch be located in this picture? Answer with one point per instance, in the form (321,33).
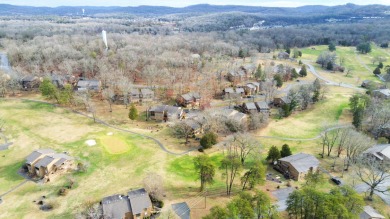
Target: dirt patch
(114,145)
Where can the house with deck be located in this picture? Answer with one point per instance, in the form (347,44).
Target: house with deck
(165,113)
(249,107)
(191,98)
(262,107)
(46,163)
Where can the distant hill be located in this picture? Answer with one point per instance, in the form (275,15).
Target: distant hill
(313,10)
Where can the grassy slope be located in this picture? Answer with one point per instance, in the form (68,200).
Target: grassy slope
(353,60)
(107,174)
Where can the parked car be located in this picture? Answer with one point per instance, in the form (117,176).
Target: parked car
(336,180)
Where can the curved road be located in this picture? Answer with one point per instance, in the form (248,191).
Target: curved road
(329,82)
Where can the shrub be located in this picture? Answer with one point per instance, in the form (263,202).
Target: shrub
(63,191)
(208,140)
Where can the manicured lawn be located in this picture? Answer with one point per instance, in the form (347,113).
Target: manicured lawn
(309,123)
(116,164)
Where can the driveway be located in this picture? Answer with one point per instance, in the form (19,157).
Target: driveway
(383,186)
(282,195)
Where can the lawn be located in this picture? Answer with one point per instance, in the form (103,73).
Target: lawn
(116,164)
(360,64)
(309,123)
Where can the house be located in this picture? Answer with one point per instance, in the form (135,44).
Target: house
(370,213)
(283,55)
(249,107)
(297,166)
(257,86)
(134,95)
(250,89)
(136,204)
(195,126)
(165,113)
(232,93)
(182,210)
(30,82)
(92,85)
(236,76)
(382,93)
(262,107)
(43,163)
(380,152)
(141,205)
(249,69)
(116,207)
(146,95)
(281,100)
(190,98)
(239,117)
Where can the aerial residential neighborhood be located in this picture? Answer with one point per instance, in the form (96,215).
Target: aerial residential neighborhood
(241,110)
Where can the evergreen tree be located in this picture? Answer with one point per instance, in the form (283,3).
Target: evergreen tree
(332,47)
(49,90)
(303,71)
(279,81)
(294,73)
(133,112)
(329,66)
(377,71)
(258,73)
(288,50)
(285,152)
(273,154)
(380,65)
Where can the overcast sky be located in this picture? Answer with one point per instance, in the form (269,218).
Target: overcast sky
(182,3)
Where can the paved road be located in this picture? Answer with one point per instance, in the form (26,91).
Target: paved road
(161,145)
(329,82)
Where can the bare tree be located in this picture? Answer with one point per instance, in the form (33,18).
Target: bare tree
(182,130)
(356,144)
(374,174)
(109,95)
(91,210)
(231,165)
(246,145)
(329,139)
(154,185)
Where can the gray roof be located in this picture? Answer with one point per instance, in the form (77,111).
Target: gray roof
(250,106)
(237,73)
(385,92)
(193,124)
(369,212)
(262,105)
(139,200)
(229,90)
(29,78)
(88,83)
(35,154)
(134,91)
(380,151)
(166,108)
(116,206)
(182,210)
(146,91)
(240,90)
(257,84)
(191,95)
(251,86)
(45,161)
(301,162)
